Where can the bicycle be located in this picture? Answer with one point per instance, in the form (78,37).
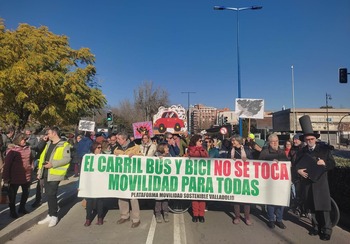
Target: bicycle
(179,206)
(300,211)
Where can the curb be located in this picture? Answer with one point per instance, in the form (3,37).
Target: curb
(27,221)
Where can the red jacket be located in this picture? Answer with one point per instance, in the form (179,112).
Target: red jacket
(18,165)
(197,152)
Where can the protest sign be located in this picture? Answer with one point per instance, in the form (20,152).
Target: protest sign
(216,179)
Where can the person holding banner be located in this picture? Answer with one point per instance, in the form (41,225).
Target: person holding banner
(93,204)
(162,204)
(129,148)
(274,153)
(241,152)
(196,150)
(147,147)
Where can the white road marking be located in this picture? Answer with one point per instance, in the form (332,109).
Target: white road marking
(151,231)
(179,229)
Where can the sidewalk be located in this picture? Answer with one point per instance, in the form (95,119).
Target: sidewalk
(10,227)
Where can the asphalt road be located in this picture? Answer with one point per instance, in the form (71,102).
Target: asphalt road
(218,228)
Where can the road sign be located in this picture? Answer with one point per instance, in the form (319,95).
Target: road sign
(223,130)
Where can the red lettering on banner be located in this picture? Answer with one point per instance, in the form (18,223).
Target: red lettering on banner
(256,169)
(265,171)
(284,172)
(277,171)
(242,169)
(274,171)
(246,170)
(238,171)
(222,167)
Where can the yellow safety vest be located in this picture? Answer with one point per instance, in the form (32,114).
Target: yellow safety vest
(58,154)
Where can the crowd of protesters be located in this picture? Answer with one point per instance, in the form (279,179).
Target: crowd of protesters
(49,154)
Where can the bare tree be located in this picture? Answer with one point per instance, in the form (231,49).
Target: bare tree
(147,100)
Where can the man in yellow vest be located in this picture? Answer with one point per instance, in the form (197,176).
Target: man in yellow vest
(52,167)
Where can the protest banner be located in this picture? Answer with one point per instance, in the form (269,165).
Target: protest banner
(216,179)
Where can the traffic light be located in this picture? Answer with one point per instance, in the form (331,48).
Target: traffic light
(225,120)
(109,116)
(343,75)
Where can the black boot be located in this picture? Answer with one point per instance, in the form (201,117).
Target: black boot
(13,213)
(22,210)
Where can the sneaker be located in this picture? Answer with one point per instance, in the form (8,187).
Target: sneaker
(159,219)
(53,221)
(166,218)
(44,221)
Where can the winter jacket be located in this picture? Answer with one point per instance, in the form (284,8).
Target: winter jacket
(197,152)
(18,165)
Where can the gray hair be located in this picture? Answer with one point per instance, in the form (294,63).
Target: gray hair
(123,134)
(237,138)
(272,136)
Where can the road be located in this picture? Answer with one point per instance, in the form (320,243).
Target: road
(218,228)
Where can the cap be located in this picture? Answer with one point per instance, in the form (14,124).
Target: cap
(297,136)
(252,136)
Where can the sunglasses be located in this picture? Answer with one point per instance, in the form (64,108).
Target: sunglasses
(99,147)
(170,137)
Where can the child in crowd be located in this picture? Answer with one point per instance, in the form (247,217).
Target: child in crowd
(162,204)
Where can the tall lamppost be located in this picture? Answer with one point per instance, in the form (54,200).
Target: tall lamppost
(238,60)
(188,109)
(294,115)
(328,97)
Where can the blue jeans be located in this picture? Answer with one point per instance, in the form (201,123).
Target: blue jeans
(272,210)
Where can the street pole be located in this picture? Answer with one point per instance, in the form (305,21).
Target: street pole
(328,97)
(294,115)
(238,56)
(188,109)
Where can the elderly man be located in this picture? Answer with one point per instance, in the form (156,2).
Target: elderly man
(274,153)
(174,150)
(315,189)
(129,148)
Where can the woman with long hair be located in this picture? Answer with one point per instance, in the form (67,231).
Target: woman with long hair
(94,205)
(196,150)
(17,172)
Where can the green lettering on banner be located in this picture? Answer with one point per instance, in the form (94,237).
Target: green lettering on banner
(89,163)
(178,163)
(150,166)
(118,164)
(219,180)
(110,164)
(255,189)
(113,182)
(167,167)
(101,164)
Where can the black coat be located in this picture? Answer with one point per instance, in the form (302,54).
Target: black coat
(316,195)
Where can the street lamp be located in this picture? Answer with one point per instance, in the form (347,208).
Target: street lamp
(339,127)
(238,60)
(328,97)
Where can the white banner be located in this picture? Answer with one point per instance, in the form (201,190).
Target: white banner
(253,181)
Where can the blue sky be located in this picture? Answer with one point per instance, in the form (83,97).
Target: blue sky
(185,45)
